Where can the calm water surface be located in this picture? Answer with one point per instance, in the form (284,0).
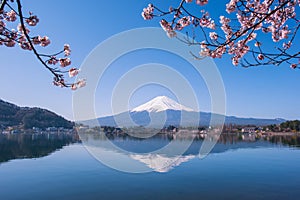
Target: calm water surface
(241,170)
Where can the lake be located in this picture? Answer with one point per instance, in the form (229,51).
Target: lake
(60,167)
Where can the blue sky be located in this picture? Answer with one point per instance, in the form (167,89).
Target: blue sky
(265,92)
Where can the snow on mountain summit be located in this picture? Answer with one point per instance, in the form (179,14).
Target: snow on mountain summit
(161,103)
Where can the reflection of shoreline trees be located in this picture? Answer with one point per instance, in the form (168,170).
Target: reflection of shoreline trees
(290,140)
(19,146)
(286,138)
(151,147)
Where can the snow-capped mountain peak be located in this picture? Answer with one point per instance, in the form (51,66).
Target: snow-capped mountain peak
(161,103)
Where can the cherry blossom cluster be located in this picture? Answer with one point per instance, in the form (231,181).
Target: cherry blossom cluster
(240,31)
(11,16)
(148,12)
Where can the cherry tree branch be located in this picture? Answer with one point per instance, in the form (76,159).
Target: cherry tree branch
(3,3)
(9,37)
(31,45)
(252,16)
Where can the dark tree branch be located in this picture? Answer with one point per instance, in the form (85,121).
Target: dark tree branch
(29,40)
(3,3)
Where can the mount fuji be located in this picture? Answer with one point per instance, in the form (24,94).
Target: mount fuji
(161,103)
(163,109)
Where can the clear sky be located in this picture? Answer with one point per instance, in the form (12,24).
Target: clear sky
(264,92)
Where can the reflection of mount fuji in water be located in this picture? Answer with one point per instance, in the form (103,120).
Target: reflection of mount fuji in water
(144,152)
(164,109)
(162,163)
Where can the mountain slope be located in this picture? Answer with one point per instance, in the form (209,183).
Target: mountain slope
(12,115)
(164,110)
(173,117)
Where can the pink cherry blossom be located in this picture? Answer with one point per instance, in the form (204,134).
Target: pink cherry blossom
(44,41)
(257,44)
(217,53)
(32,20)
(81,83)
(235,60)
(165,25)
(74,87)
(20,29)
(185,21)
(203,45)
(201,2)
(11,16)
(59,83)
(10,43)
(171,34)
(260,57)
(252,36)
(293,66)
(231,6)
(36,40)
(25,46)
(206,21)
(73,72)
(287,45)
(2,26)
(213,35)
(67,50)
(64,62)
(147,13)
(168,28)
(52,60)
